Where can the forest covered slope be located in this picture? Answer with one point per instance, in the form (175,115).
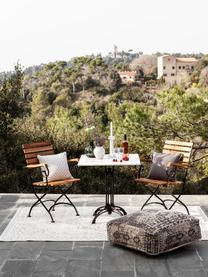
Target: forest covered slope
(60,100)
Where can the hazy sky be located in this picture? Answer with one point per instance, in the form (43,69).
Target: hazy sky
(39,31)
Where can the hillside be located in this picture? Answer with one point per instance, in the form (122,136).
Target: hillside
(59,101)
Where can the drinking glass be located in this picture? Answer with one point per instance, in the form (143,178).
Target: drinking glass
(118,151)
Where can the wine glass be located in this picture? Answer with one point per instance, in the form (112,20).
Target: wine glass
(120,153)
(116,152)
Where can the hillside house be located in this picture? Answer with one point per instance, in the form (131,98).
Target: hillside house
(175,70)
(127,77)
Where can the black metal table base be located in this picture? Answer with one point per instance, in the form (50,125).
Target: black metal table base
(109,206)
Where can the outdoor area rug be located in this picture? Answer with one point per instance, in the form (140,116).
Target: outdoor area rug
(69,227)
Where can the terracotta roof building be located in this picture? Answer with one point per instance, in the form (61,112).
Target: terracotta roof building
(127,77)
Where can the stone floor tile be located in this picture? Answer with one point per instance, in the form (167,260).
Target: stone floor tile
(88,243)
(6,245)
(3,217)
(116,258)
(6,206)
(3,257)
(47,274)
(181,262)
(86,253)
(51,264)
(156,266)
(83,268)
(62,254)
(4,224)
(6,274)
(52,261)
(202,250)
(18,268)
(190,273)
(26,250)
(181,257)
(119,274)
(25,269)
(58,245)
(9,198)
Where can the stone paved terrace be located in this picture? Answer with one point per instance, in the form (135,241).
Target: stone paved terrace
(95,259)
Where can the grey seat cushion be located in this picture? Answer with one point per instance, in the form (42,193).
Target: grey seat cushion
(153,231)
(160,168)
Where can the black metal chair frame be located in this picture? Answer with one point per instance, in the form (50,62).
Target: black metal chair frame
(153,192)
(47,189)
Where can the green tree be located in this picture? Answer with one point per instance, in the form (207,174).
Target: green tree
(202,63)
(10,108)
(10,101)
(40,107)
(184,115)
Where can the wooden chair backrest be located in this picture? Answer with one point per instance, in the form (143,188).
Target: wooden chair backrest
(32,150)
(182,147)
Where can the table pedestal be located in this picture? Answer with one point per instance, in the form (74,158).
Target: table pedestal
(109,206)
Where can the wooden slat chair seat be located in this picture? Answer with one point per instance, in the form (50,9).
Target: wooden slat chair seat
(170,146)
(45,148)
(56,183)
(155,182)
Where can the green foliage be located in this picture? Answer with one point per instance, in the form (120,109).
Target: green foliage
(10,108)
(60,100)
(40,107)
(184,115)
(10,101)
(202,63)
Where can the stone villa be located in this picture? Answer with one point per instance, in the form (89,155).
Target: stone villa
(175,70)
(128,77)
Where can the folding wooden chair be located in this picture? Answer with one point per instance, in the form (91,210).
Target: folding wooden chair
(45,148)
(154,185)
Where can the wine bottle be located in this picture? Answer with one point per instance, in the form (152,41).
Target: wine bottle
(125,146)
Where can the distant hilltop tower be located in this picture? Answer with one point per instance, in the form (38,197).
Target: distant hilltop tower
(115,51)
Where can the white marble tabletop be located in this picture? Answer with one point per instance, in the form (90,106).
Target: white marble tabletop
(108,161)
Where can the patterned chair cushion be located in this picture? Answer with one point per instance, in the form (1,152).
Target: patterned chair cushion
(154,231)
(160,168)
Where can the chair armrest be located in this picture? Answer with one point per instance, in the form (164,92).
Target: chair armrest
(180,165)
(32,166)
(145,158)
(140,172)
(73,165)
(73,161)
(145,162)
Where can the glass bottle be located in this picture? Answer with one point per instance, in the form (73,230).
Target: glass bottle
(89,150)
(125,146)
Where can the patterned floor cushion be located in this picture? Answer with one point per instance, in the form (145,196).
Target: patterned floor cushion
(154,231)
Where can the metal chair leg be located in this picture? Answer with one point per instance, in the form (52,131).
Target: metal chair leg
(39,201)
(177,200)
(154,193)
(64,193)
(162,202)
